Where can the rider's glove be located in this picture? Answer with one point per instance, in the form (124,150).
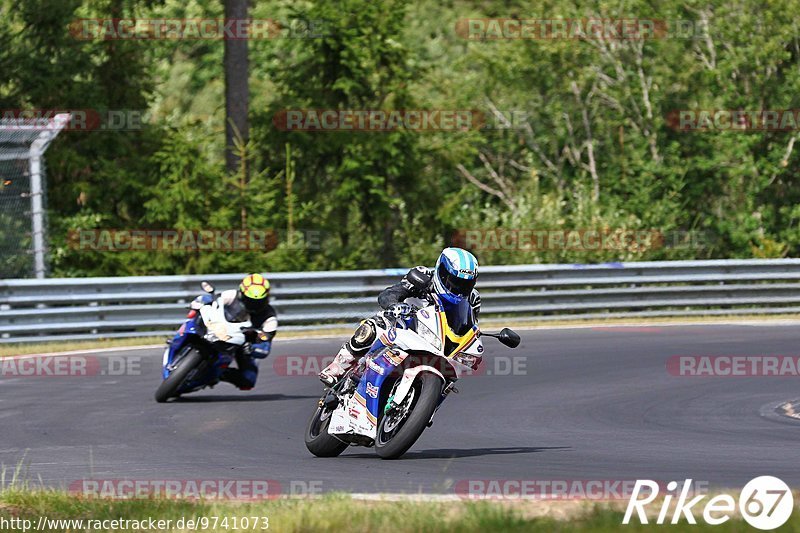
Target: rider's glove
(261,349)
(250,335)
(400,310)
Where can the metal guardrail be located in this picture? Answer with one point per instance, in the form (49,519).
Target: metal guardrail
(87,308)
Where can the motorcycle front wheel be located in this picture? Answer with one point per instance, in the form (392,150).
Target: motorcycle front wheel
(399,429)
(170,386)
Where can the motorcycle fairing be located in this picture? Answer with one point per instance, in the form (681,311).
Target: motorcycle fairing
(360,412)
(189,327)
(211,324)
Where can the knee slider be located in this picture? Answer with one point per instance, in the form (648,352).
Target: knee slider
(364,335)
(250,377)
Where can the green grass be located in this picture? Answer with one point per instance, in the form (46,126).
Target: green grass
(11,349)
(7,350)
(335,513)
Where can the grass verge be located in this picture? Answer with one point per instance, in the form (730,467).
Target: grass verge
(7,350)
(331,513)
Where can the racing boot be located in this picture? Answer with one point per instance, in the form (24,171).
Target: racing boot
(236,377)
(349,353)
(343,362)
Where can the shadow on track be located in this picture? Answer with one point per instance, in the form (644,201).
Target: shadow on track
(243,398)
(454,453)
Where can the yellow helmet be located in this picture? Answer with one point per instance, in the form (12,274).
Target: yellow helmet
(255,292)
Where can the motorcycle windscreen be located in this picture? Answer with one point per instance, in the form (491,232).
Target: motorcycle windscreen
(236,312)
(459,316)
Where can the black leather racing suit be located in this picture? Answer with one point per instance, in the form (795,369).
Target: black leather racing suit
(265,326)
(417,283)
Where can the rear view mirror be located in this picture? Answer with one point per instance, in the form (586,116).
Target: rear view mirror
(509,338)
(207,287)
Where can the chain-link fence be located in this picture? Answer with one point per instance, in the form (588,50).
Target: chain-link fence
(23,250)
(16,247)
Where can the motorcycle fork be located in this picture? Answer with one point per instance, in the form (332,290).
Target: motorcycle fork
(450,387)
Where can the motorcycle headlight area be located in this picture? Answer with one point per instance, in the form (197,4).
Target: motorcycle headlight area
(466,360)
(429,336)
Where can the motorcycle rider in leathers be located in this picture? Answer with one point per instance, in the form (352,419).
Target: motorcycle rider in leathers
(250,302)
(452,279)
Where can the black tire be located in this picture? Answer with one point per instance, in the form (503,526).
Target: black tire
(428,390)
(318,441)
(170,386)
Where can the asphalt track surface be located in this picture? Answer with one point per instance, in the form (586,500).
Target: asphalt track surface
(586,404)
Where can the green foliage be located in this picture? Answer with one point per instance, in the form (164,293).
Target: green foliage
(577,132)
(338,512)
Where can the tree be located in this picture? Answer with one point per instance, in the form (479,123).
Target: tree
(237,87)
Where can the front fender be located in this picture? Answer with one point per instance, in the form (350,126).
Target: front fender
(408,379)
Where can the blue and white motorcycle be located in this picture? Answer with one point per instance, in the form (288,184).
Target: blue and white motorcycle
(204,346)
(392,395)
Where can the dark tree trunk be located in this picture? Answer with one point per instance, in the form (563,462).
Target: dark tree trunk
(237,89)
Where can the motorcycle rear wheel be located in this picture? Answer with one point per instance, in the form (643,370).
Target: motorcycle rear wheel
(318,441)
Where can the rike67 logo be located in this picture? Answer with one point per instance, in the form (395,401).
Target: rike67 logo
(765,503)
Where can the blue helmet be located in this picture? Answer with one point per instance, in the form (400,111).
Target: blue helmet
(455,274)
